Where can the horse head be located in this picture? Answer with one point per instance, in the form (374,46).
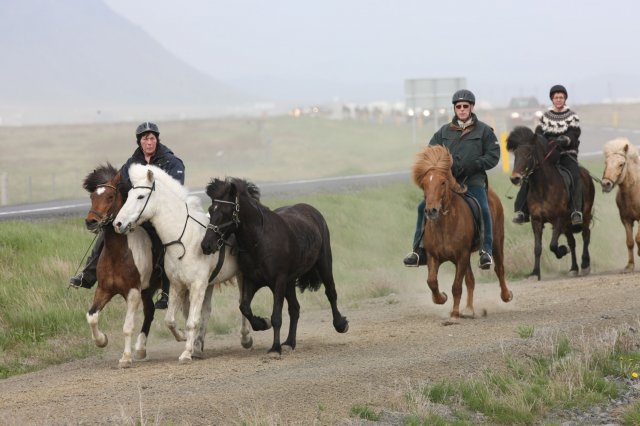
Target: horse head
(106,199)
(432,173)
(140,205)
(617,155)
(522,143)
(224,211)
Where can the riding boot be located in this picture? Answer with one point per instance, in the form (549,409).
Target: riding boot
(521,208)
(417,257)
(87,277)
(163,302)
(576,215)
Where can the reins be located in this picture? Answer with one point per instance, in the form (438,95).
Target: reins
(184,228)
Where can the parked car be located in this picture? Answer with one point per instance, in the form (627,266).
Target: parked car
(524,111)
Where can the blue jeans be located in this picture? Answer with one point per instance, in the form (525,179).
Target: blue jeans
(480,194)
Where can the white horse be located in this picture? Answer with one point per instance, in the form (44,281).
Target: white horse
(181,224)
(622,168)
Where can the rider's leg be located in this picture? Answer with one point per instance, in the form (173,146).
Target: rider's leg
(571,163)
(520,205)
(158,249)
(417,256)
(87,277)
(486,253)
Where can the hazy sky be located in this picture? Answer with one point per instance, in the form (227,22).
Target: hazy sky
(363,50)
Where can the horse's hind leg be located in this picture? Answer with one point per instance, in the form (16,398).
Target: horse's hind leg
(628,229)
(571,241)
(324,267)
(294,313)
(177,294)
(133,301)
(586,259)
(149,312)
(498,257)
(100,299)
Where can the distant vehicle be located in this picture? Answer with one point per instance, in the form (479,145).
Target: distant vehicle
(524,111)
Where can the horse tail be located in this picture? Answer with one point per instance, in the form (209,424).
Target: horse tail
(310,280)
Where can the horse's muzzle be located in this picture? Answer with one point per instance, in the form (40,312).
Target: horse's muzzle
(92,225)
(122,229)
(432,213)
(607,185)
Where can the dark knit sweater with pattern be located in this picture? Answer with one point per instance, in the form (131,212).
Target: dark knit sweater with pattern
(566,122)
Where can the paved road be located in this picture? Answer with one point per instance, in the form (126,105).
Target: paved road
(592,141)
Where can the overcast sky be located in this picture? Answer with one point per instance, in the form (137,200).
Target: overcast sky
(363,50)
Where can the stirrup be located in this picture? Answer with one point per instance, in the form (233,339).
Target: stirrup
(576,218)
(485,264)
(76,281)
(412,260)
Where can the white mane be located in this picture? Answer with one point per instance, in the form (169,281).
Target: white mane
(616,146)
(138,176)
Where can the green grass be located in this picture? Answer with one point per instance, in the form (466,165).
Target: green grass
(363,411)
(565,374)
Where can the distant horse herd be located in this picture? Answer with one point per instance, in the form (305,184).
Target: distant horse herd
(240,241)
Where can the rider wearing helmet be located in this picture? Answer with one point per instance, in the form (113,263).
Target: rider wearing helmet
(561,126)
(149,151)
(475,149)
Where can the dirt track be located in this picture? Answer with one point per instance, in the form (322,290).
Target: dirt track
(392,343)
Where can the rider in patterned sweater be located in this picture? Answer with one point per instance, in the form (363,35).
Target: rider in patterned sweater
(561,126)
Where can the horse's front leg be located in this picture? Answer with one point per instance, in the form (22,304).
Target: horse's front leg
(433,264)
(198,345)
(197,292)
(470,282)
(294,313)
(628,229)
(245,338)
(149,312)
(456,289)
(536,226)
(585,264)
(133,301)
(100,299)
(249,289)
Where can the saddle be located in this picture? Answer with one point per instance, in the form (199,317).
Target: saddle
(478,231)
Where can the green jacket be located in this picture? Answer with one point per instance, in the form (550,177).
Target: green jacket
(475,147)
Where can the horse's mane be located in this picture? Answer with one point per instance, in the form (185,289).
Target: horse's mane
(138,176)
(518,136)
(218,187)
(434,157)
(617,146)
(101,175)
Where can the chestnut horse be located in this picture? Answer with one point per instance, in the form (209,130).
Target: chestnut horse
(548,200)
(125,266)
(449,229)
(622,168)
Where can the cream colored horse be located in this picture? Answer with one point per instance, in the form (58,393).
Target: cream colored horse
(622,168)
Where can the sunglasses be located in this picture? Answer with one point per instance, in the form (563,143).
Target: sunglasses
(462,106)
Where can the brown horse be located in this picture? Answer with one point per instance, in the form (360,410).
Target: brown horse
(622,168)
(548,199)
(125,266)
(449,229)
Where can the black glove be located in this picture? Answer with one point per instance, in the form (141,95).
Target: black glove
(563,141)
(457,170)
(471,167)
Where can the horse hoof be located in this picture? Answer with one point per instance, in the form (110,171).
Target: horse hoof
(140,354)
(247,343)
(468,313)
(586,271)
(274,355)
(183,360)
(573,273)
(197,354)
(451,321)
(628,269)
(533,277)
(342,326)
(125,363)
(287,349)
(101,343)
(508,298)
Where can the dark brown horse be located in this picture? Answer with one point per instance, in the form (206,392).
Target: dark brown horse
(449,229)
(548,199)
(125,266)
(282,249)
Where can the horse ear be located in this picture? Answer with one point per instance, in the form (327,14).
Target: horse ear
(149,175)
(626,148)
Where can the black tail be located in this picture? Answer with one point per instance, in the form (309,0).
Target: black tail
(310,280)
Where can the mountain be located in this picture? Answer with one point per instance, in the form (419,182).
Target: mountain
(80,54)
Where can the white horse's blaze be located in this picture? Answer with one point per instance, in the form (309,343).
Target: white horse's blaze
(168,207)
(100,190)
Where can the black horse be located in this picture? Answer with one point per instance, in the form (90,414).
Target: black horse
(548,200)
(281,249)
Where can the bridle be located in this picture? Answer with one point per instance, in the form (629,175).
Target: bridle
(220,229)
